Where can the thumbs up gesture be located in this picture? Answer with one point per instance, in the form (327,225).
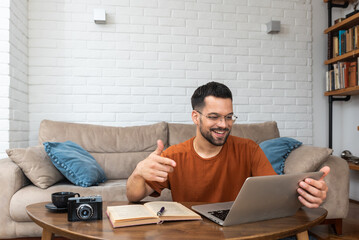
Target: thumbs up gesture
(155,167)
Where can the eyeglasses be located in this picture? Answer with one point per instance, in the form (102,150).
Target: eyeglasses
(230,118)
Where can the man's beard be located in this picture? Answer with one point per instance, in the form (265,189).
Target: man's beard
(208,136)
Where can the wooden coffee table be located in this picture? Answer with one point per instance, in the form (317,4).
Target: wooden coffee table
(56,223)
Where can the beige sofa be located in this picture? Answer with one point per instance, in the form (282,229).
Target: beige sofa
(118,150)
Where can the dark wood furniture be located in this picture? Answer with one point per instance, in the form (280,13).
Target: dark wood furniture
(56,223)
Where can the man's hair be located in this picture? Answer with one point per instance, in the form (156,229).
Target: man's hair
(214,89)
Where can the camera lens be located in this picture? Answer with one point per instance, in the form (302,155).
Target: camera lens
(84,211)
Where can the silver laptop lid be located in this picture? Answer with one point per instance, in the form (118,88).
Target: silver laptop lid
(261,198)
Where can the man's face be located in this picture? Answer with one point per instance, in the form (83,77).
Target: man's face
(214,123)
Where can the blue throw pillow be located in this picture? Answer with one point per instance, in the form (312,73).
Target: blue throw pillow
(75,163)
(277,151)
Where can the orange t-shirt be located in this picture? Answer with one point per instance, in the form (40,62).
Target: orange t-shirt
(216,179)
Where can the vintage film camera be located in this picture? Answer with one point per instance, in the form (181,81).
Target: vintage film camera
(84,208)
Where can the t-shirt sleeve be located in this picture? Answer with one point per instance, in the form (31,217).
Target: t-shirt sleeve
(157,187)
(261,165)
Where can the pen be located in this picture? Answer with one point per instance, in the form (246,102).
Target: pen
(160,212)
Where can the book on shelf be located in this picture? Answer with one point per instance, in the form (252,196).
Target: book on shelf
(336,84)
(355,37)
(343,75)
(330,46)
(341,42)
(335,46)
(329,78)
(141,214)
(348,40)
(353,74)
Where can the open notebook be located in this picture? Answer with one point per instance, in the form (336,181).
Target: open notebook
(138,214)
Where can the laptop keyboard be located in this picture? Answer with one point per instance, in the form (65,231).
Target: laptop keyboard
(221,214)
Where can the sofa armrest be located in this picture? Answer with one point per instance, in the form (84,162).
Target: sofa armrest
(11,180)
(310,159)
(337,202)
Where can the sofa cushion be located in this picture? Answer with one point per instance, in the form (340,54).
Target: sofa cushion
(75,163)
(116,149)
(306,159)
(277,151)
(258,132)
(36,165)
(111,190)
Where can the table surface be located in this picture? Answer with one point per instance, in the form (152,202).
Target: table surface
(56,223)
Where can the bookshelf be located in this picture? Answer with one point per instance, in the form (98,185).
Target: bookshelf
(345,57)
(349,56)
(343,94)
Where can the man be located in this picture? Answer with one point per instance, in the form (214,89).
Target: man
(212,166)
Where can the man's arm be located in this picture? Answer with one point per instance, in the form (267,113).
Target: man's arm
(313,192)
(137,188)
(153,168)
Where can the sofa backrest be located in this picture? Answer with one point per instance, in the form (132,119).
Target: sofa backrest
(119,149)
(258,132)
(116,149)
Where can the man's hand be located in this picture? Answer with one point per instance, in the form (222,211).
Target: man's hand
(313,192)
(155,167)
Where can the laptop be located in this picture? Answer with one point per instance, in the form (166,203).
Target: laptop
(260,198)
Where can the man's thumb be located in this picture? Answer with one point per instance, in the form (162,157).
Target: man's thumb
(325,171)
(159,148)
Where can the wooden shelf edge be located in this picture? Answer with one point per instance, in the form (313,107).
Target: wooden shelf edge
(353,166)
(350,91)
(348,55)
(342,23)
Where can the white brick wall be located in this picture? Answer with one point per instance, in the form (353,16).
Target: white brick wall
(4,76)
(19,119)
(144,64)
(14,126)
